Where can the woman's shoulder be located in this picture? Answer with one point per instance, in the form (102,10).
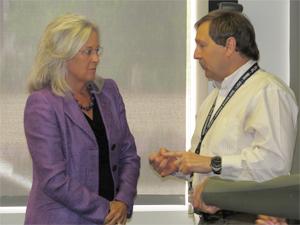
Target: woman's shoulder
(110,90)
(108,82)
(102,84)
(45,95)
(39,94)
(110,85)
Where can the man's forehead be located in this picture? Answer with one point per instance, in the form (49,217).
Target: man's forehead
(203,27)
(203,30)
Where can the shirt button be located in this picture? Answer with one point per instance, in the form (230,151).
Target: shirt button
(114,168)
(113,147)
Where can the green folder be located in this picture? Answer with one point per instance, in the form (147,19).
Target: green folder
(277,197)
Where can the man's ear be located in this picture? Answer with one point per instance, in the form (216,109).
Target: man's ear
(230,46)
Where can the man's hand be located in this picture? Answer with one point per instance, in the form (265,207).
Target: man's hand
(117,213)
(198,202)
(189,162)
(163,164)
(270,220)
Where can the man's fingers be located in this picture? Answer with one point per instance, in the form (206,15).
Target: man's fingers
(261,222)
(155,162)
(163,150)
(163,164)
(152,157)
(178,161)
(196,203)
(197,198)
(172,154)
(264,217)
(212,209)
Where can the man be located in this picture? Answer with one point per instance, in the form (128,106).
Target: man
(246,127)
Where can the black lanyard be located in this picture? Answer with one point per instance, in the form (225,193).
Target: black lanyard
(209,121)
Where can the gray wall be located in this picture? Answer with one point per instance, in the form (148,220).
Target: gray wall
(270,19)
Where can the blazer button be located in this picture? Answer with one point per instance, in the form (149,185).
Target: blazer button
(117,189)
(113,147)
(114,168)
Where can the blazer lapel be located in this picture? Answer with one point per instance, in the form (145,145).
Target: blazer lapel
(72,111)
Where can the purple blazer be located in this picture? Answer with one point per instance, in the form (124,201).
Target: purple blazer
(65,158)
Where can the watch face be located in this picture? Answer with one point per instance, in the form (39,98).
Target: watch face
(216,164)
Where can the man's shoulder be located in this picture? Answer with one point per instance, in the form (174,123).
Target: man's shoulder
(264,82)
(264,79)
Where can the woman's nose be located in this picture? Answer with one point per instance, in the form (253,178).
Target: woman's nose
(95,57)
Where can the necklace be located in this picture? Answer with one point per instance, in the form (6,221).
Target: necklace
(89,106)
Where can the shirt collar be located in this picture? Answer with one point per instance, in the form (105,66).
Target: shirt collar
(230,80)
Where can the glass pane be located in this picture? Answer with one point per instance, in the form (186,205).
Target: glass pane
(144,51)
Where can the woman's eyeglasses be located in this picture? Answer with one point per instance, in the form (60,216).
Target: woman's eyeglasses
(90,51)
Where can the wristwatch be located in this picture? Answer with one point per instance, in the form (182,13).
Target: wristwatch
(216,164)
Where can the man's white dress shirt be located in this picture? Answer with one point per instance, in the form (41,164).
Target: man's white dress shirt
(255,132)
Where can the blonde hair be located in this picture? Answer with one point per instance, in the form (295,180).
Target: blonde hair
(61,40)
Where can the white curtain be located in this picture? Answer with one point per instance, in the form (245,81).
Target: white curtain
(144,51)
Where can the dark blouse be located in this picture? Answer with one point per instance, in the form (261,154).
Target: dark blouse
(106,183)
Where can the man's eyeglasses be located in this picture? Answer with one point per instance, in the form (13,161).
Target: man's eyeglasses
(90,51)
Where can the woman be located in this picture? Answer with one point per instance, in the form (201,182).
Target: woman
(85,164)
